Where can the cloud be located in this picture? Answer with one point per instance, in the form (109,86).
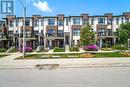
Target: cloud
(42,6)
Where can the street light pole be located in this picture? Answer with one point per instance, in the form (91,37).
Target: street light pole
(24,14)
(24,32)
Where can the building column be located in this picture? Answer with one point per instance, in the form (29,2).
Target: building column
(45,42)
(100,43)
(39,40)
(50,43)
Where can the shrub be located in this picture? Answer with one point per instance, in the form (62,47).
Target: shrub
(90,48)
(74,48)
(127,54)
(106,49)
(86,55)
(3,50)
(27,49)
(119,47)
(57,49)
(13,50)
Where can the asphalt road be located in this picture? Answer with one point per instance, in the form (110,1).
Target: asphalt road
(76,77)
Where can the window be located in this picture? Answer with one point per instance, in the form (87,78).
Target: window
(122,20)
(60,23)
(109,32)
(36,23)
(76,32)
(60,33)
(17,22)
(51,32)
(51,22)
(101,32)
(92,20)
(117,21)
(126,20)
(76,21)
(42,22)
(109,21)
(101,20)
(36,32)
(67,21)
(85,21)
(27,33)
(11,23)
(27,23)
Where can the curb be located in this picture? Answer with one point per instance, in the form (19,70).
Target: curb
(61,66)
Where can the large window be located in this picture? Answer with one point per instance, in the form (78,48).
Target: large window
(76,32)
(51,32)
(67,22)
(60,33)
(76,21)
(92,20)
(85,21)
(101,20)
(109,21)
(51,22)
(117,21)
(36,23)
(27,23)
(126,20)
(60,23)
(101,32)
(17,22)
(11,23)
(42,22)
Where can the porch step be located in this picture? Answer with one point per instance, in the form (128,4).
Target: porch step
(66,48)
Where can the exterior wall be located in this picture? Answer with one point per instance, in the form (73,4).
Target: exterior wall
(68,29)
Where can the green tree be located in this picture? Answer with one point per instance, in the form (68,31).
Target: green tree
(122,36)
(126,26)
(87,36)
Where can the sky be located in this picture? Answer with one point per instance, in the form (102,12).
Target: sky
(72,7)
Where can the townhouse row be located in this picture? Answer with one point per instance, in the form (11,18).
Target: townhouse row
(60,30)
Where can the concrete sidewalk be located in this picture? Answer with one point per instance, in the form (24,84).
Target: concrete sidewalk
(9,62)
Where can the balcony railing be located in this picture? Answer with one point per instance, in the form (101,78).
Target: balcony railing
(54,35)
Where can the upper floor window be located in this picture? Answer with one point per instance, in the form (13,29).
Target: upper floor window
(122,20)
(42,22)
(60,23)
(17,22)
(85,21)
(76,32)
(109,21)
(92,20)
(50,32)
(36,23)
(67,22)
(101,32)
(101,20)
(126,20)
(117,21)
(51,22)
(11,23)
(76,21)
(27,23)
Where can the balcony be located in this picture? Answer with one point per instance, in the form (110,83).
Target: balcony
(105,35)
(55,36)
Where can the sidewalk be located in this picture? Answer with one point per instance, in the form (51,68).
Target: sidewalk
(9,62)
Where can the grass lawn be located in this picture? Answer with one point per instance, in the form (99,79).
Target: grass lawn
(67,56)
(112,54)
(3,56)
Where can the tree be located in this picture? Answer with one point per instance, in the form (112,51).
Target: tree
(126,26)
(87,36)
(122,36)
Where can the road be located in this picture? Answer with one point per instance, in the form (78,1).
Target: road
(67,77)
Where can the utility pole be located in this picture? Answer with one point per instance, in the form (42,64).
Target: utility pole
(24,26)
